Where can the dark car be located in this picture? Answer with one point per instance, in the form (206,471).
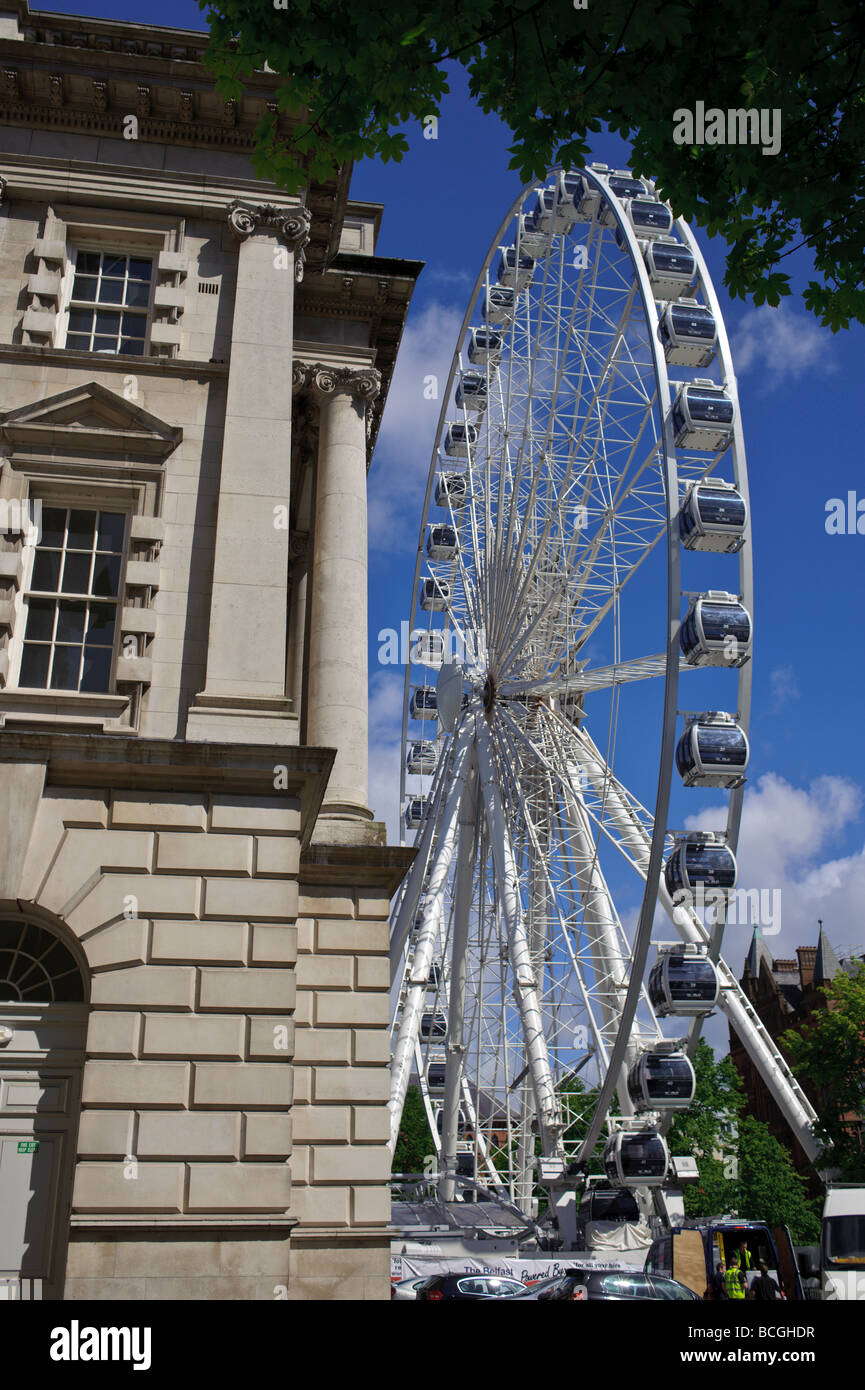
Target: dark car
(472,1286)
(597,1285)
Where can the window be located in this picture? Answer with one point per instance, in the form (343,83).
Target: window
(109,306)
(72,600)
(36,967)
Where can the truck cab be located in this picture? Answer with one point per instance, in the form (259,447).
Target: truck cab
(842,1242)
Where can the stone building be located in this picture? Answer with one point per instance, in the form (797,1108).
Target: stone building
(786,993)
(193,889)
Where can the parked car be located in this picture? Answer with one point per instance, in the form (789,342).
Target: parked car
(468,1286)
(596,1285)
(406,1289)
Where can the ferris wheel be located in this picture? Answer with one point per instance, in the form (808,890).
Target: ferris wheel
(589,460)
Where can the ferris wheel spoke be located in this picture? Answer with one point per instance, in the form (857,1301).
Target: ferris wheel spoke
(593,678)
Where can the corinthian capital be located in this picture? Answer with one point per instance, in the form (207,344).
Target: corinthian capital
(291,225)
(362,384)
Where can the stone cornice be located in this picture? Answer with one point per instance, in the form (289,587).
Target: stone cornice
(131,763)
(383,866)
(117,362)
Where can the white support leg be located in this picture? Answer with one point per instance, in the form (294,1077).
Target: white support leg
(466,848)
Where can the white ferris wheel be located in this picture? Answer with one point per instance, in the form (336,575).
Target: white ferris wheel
(589,462)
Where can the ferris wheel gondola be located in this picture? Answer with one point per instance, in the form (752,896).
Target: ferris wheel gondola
(587,475)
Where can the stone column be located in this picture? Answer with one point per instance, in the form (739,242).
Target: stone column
(337,700)
(245,697)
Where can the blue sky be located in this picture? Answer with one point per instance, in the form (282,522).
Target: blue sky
(801,390)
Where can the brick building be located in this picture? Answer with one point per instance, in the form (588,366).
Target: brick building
(193,889)
(786,994)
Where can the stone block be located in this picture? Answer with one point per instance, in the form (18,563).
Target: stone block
(112,1034)
(265,1086)
(273,815)
(239,1187)
(196,942)
(371,1206)
(141,895)
(341,1164)
(322,1045)
(156,809)
(372,1045)
(357,937)
(121,943)
(315,1124)
(305,934)
(325,902)
(105,1133)
(84,855)
(325,972)
(188,1134)
(321,1206)
(224,854)
(102,1187)
(351,1083)
(373,973)
(277,855)
(370,1009)
(273,945)
(267,1136)
(254,990)
(136,1083)
(193,1035)
(302,1085)
(145,986)
(370,1124)
(271,1036)
(274,899)
(371,902)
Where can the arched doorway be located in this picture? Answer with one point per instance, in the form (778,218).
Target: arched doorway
(43,1027)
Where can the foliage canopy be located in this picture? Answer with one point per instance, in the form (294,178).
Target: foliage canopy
(354,72)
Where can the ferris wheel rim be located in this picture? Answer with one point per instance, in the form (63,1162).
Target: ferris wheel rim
(671,659)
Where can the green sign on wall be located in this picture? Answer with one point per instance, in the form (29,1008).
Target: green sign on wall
(28,1146)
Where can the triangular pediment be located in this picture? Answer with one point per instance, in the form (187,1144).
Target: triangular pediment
(89,419)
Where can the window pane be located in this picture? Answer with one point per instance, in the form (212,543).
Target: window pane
(84,287)
(76,574)
(46,570)
(139,269)
(81,528)
(134,325)
(133,345)
(80,341)
(138,292)
(110,531)
(97,669)
(34,665)
(64,671)
(113,265)
(106,575)
(80,320)
(111,292)
(88,261)
(100,627)
(104,344)
(40,619)
(53,525)
(107,322)
(70,622)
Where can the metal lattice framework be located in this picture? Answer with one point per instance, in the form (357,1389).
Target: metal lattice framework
(550,550)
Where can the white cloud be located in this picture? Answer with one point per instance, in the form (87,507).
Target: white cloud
(408,429)
(781,344)
(784,831)
(784,686)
